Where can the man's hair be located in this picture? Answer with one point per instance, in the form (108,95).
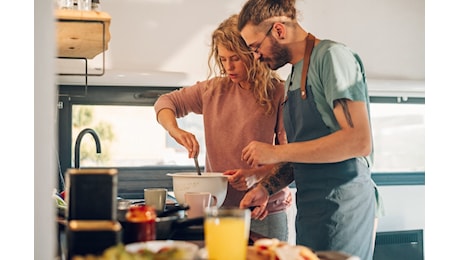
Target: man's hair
(257,11)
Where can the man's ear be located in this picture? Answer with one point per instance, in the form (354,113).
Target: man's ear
(280,30)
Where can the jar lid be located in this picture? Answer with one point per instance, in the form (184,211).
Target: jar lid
(141,213)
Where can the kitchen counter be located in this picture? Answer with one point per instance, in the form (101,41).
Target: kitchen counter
(194,234)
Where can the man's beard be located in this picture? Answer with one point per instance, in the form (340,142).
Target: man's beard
(280,55)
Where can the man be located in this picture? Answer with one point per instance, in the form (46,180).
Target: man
(326,117)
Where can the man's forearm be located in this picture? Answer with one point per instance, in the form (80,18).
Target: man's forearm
(281,176)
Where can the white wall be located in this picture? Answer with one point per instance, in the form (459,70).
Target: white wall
(404,208)
(174,36)
(45,135)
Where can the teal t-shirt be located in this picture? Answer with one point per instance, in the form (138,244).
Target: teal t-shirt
(335,72)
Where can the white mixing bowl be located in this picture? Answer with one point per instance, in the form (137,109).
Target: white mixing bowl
(213,182)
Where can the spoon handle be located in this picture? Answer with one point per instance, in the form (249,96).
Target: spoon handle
(197,166)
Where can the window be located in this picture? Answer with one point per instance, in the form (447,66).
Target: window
(125,121)
(131,137)
(399,137)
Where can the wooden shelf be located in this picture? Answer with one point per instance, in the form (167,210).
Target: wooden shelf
(81,34)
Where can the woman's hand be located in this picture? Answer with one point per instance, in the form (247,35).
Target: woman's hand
(167,118)
(241,179)
(186,139)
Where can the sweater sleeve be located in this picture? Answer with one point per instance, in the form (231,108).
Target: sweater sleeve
(182,101)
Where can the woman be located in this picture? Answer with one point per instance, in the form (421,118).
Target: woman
(241,104)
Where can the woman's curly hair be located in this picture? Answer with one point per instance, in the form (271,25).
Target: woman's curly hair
(262,79)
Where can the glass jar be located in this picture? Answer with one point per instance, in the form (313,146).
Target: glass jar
(140,224)
(95,5)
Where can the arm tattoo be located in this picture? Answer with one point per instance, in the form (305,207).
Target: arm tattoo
(279,177)
(343,103)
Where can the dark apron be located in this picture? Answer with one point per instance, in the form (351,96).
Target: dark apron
(335,201)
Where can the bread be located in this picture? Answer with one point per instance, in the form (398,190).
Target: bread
(274,249)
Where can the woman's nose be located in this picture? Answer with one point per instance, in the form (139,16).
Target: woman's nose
(256,55)
(229,66)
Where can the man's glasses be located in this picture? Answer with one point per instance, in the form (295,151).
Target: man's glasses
(256,50)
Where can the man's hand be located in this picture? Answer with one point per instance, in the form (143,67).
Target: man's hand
(258,153)
(256,198)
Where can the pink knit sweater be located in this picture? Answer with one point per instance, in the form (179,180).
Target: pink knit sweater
(232,119)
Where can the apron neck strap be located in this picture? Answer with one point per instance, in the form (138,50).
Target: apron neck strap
(306,62)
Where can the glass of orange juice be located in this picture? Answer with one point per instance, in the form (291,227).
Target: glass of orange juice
(226,233)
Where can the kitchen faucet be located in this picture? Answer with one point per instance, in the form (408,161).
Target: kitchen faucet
(78,142)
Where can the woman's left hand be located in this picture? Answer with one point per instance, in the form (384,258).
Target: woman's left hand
(241,179)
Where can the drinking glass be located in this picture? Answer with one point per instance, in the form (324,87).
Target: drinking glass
(226,232)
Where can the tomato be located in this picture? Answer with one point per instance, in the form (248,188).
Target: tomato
(62,194)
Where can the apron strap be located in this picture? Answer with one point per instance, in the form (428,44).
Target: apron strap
(306,62)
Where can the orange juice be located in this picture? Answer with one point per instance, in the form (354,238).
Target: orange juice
(226,237)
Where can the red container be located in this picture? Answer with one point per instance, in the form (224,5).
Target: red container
(140,224)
